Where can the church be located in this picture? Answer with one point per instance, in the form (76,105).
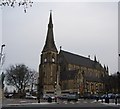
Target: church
(66,72)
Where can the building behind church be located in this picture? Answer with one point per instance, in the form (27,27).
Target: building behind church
(71,72)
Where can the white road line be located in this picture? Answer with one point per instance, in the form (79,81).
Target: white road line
(23,101)
(43,103)
(111,104)
(84,102)
(72,103)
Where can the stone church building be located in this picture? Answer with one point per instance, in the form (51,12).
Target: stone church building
(68,72)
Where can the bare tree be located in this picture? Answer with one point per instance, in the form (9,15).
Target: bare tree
(12,3)
(33,80)
(19,76)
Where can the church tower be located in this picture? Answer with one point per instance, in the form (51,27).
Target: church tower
(48,66)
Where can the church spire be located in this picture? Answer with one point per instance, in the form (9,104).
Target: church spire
(95,58)
(50,19)
(50,44)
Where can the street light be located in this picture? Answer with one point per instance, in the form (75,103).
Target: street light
(3,45)
(2,75)
(38,90)
(55,91)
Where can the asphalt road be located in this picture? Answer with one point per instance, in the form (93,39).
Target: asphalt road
(32,104)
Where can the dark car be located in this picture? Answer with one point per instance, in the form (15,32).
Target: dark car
(30,97)
(72,97)
(8,95)
(63,97)
(109,95)
(45,97)
(117,95)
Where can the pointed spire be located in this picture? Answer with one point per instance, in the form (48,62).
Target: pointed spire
(89,56)
(50,44)
(60,47)
(104,67)
(50,20)
(95,58)
(107,69)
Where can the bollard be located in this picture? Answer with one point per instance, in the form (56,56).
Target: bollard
(115,100)
(50,100)
(97,99)
(38,99)
(102,100)
(55,99)
(107,100)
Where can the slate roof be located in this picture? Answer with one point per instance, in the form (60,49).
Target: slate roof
(92,78)
(68,75)
(80,60)
(71,74)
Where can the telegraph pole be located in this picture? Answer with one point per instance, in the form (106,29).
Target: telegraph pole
(2,75)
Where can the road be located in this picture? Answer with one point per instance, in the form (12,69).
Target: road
(32,104)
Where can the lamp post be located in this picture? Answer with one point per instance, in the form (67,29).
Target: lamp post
(1,52)
(55,92)
(78,85)
(2,79)
(2,75)
(38,90)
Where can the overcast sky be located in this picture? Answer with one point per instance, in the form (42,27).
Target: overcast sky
(89,28)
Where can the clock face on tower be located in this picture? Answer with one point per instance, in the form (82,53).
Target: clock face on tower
(53,59)
(45,60)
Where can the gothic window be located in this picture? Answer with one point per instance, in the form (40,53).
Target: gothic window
(51,74)
(51,79)
(44,73)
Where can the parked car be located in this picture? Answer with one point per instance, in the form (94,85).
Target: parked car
(109,95)
(30,97)
(95,96)
(72,97)
(8,95)
(63,97)
(117,95)
(45,97)
(103,96)
(53,97)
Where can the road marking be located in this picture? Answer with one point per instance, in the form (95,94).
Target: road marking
(43,103)
(93,101)
(111,104)
(72,102)
(23,101)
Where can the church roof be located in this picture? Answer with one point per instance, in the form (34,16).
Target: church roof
(50,44)
(92,78)
(68,75)
(79,60)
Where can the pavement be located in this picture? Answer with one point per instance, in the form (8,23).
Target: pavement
(81,103)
